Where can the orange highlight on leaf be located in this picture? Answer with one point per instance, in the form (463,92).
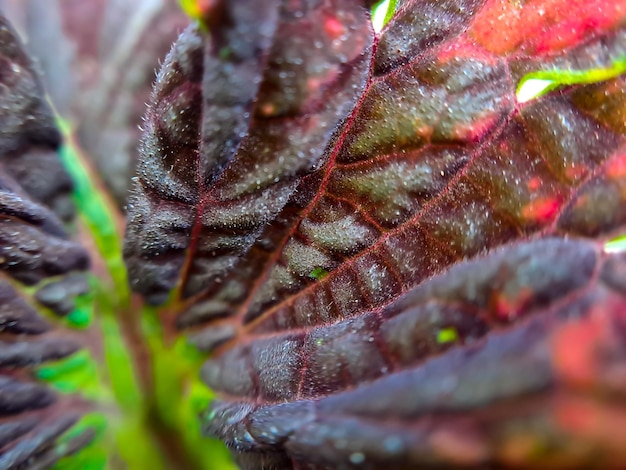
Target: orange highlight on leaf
(509,308)
(574,347)
(541,210)
(616,167)
(333,27)
(541,26)
(591,420)
(534,183)
(579,416)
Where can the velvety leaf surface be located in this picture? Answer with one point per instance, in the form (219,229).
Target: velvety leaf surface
(392,258)
(39,271)
(444,378)
(217,178)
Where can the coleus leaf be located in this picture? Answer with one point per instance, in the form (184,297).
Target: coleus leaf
(251,160)
(42,277)
(529,395)
(395,262)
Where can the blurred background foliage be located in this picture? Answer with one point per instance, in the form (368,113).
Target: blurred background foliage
(97,60)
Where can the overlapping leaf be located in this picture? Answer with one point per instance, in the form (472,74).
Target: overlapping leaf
(302,182)
(221,169)
(439,377)
(40,273)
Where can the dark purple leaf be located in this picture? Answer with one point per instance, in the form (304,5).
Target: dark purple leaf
(34,250)
(382,390)
(390,256)
(250,160)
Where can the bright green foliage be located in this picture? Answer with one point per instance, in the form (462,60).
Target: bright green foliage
(128,432)
(318,273)
(536,84)
(82,316)
(447,335)
(179,395)
(382,12)
(146,415)
(95,212)
(132,438)
(94,456)
(76,373)
(616,245)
